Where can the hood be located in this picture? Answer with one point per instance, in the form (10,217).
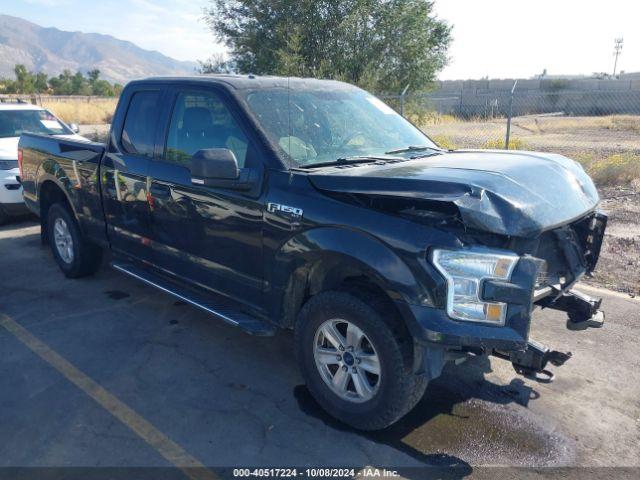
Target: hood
(9,145)
(504,192)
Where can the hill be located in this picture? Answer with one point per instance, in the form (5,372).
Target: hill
(51,51)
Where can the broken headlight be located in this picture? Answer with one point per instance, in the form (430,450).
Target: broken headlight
(465,270)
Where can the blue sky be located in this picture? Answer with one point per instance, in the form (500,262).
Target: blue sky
(498,38)
(173,27)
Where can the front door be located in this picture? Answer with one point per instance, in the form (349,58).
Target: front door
(124,174)
(208,236)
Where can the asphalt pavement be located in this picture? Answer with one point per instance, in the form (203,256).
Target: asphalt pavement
(108,372)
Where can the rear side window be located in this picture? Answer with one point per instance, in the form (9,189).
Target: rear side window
(138,134)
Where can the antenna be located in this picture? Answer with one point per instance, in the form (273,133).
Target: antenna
(617,49)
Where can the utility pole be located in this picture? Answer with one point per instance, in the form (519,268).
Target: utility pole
(616,52)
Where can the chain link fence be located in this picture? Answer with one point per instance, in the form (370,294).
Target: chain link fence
(601,129)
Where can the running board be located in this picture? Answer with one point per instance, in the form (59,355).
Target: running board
(214,304)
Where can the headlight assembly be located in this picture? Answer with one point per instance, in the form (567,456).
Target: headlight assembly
(465,271)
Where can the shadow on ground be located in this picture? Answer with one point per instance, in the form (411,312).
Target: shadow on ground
(462,415)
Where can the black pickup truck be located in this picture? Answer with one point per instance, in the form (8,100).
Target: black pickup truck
(311,205)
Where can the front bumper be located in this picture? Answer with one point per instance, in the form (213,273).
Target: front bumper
(543,278)
(433,326)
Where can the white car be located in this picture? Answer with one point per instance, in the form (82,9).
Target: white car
(16,118)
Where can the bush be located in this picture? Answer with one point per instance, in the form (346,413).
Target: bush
(618,169)
(498,144)
(444,142)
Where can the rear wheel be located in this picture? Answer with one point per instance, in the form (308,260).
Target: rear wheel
(355,365)
(75,255)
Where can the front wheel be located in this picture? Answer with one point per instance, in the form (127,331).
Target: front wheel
(75,255)
(355,365)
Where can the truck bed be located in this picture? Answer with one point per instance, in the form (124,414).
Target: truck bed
(72,166)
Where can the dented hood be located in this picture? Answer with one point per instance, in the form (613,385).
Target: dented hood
(503,192)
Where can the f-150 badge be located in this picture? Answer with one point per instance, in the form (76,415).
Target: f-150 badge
(288,211)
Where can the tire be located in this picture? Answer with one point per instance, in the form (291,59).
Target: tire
(81,257)
(397,389)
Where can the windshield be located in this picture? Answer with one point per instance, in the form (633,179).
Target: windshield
(316,126)
(14,122)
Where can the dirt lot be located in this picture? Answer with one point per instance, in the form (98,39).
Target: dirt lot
(562,134)
(619,264)
(105,372)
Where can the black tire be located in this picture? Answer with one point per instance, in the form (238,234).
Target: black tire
(399,389)
(86,255)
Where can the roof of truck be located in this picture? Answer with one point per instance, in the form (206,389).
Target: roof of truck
(243,82)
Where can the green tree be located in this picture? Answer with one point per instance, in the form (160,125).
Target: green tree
(62,84)
(25,80)
(80,85)
(216,63)
(41,82)
(93,75)
(382,45)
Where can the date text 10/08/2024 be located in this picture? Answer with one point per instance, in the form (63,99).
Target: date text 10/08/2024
(367,472)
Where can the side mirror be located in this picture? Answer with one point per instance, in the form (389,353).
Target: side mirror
(214,164)
(74,128)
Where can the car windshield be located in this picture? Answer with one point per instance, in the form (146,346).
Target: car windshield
(320,126)
(14,122)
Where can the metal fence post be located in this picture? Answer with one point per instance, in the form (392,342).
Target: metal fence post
(506,140)
(402,95)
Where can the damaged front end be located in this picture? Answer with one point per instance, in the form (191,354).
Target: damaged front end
(563,256)
(540,208)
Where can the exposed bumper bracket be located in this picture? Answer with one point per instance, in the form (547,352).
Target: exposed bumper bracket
(583,310)
(532,361)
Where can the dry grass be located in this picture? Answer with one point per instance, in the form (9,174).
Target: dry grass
(617,169)
(83,112)
(542,124)
(607,146)
(432,118)
(498,143)
(444,142)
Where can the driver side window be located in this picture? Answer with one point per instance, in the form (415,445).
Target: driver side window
(201,120)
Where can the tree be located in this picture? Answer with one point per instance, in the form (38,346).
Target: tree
(382,45)
(93,75)
(66,83)
(25,81)
(41,82)
(61,85)
(216,63)
(80,85)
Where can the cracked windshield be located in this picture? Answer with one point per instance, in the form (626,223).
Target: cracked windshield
(313,127)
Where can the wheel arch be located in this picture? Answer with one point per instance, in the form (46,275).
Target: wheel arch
(330,258)
(50,191)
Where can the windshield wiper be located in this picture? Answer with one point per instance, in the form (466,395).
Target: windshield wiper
(412,148)
(344,161)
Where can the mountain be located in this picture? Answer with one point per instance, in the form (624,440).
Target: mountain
(51,51)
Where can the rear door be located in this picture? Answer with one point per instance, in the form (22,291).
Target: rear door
(208,236)
(124,172)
